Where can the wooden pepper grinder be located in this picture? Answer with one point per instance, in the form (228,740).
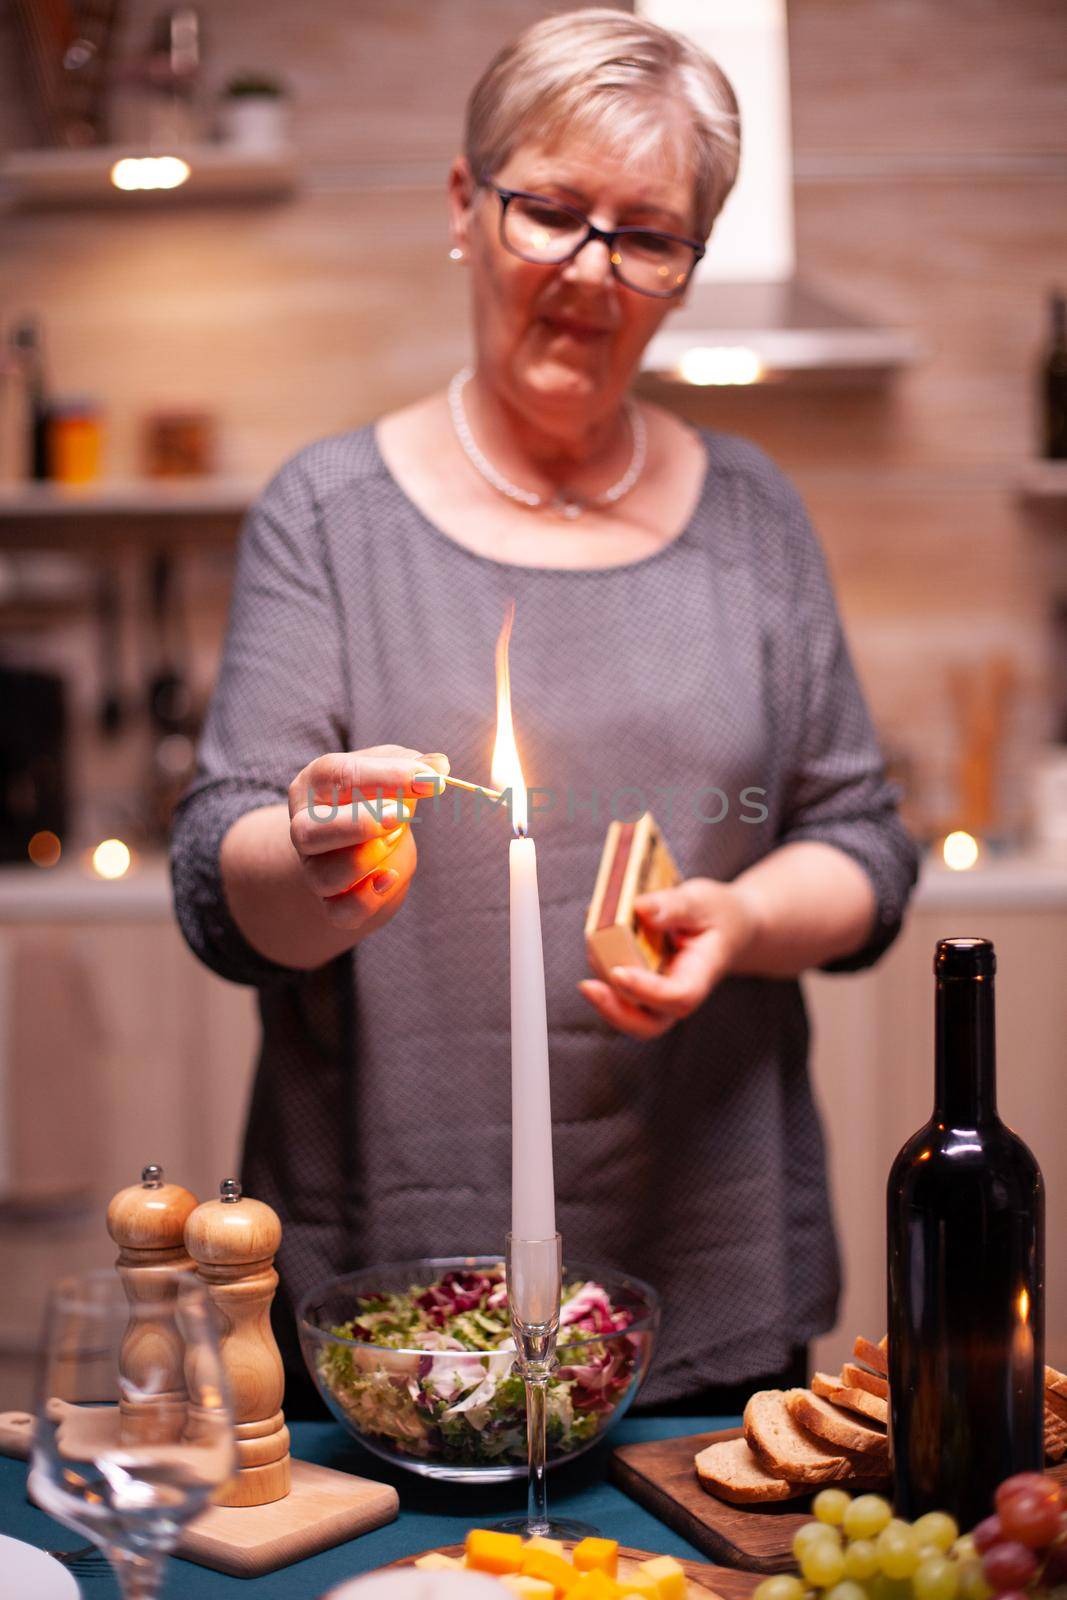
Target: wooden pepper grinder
(233,1242)
(147,1222)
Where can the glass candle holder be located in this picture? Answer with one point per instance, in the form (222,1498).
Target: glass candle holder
(535,1279)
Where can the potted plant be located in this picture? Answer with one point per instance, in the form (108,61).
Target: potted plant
(254,113)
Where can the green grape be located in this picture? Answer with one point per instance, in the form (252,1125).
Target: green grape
(823,1563)
(866,1516)
(883,1588)
(830,1506)
(812,1533)
(964,1549)
(861,1559)
(898,1553)
(936,1528)
(936,1578)
(972,1583)
(784,1586)
(846,1590)
(927,1551)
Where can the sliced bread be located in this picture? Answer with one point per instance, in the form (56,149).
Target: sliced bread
(730,1471)
(836,1429)
(783,1448)
(1055,1435)
(860,1401)
(1056,1393)
(854,1377)
(872,1355)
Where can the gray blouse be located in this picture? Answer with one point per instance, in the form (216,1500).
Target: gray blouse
(709,681)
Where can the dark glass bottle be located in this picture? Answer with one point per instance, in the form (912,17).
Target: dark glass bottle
(966,1226)
(1054,382)
(27,340)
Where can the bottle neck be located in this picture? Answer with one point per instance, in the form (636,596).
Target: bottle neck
(965,1092)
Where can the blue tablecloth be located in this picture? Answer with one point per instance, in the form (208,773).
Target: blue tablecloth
(431,1514)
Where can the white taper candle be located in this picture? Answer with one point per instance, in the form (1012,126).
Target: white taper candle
(533,1204)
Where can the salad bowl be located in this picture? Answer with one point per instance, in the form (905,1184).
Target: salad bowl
(416,1360)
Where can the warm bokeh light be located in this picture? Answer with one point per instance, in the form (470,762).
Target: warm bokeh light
(720,364)
(1022,1305)
(44,849)
(150,172)
(111,858)
(506,767)
(960,851)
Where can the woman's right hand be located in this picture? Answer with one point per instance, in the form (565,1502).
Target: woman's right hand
(357,866)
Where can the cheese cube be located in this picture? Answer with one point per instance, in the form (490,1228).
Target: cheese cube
(434,1561)
(538,1541)
(528,1588)
(544,1564)
(647,1588)
(668,1575)
(494,1552)
(595,1585)
(597,1555)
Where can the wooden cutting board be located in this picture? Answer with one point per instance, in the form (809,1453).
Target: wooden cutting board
(661,1476)
(323,1508)
(704,1581)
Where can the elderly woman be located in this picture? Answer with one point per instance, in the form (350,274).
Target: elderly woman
(676,645)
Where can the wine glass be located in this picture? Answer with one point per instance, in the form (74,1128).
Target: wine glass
(535,1281)
(134,1428)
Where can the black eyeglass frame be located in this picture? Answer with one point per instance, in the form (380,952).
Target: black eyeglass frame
(607,236)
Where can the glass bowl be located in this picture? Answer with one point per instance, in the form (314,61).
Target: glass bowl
(461,1414)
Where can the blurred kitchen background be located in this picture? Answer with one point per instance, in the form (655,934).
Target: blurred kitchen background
(222,235)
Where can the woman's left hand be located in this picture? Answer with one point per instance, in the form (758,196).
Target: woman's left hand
(712,925)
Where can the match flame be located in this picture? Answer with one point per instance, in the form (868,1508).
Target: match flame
(506,769)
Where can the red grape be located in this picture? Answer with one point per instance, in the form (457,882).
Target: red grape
(1055,1569)
(1024,1481)
(1032,1516)
(987,1534)
(1008,1566)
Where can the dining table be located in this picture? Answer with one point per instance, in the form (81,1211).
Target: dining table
(433,1513)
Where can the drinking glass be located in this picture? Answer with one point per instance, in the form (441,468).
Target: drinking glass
(134,1429)
(535,1281)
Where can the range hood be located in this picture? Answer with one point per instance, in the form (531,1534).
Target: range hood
(730,333)
(748,318)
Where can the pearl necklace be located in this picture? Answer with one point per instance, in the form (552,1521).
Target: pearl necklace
(565,502)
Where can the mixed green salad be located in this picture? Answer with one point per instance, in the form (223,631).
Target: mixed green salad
(449,1391)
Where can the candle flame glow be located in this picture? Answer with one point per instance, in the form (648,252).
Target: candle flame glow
(506,769)
(1023,1305)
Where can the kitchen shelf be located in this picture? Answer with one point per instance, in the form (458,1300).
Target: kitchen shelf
(47,178)
(197,510)
(1045,481)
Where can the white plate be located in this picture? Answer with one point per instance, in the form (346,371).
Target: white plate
(25,1570)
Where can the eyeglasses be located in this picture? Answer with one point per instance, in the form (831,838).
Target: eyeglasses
(549,233)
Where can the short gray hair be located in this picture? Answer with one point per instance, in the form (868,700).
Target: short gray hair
(620,75)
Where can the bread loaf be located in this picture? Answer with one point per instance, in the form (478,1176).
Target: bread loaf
(872,1355)
(861,1401)
(730,1471)
(837,1430)
(854,1377)
(781,1445)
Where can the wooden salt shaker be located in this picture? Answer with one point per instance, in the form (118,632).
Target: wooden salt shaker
(147,1222)
(233,1242)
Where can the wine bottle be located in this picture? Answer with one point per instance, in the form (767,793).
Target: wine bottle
(1054,375)
(966,1221)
